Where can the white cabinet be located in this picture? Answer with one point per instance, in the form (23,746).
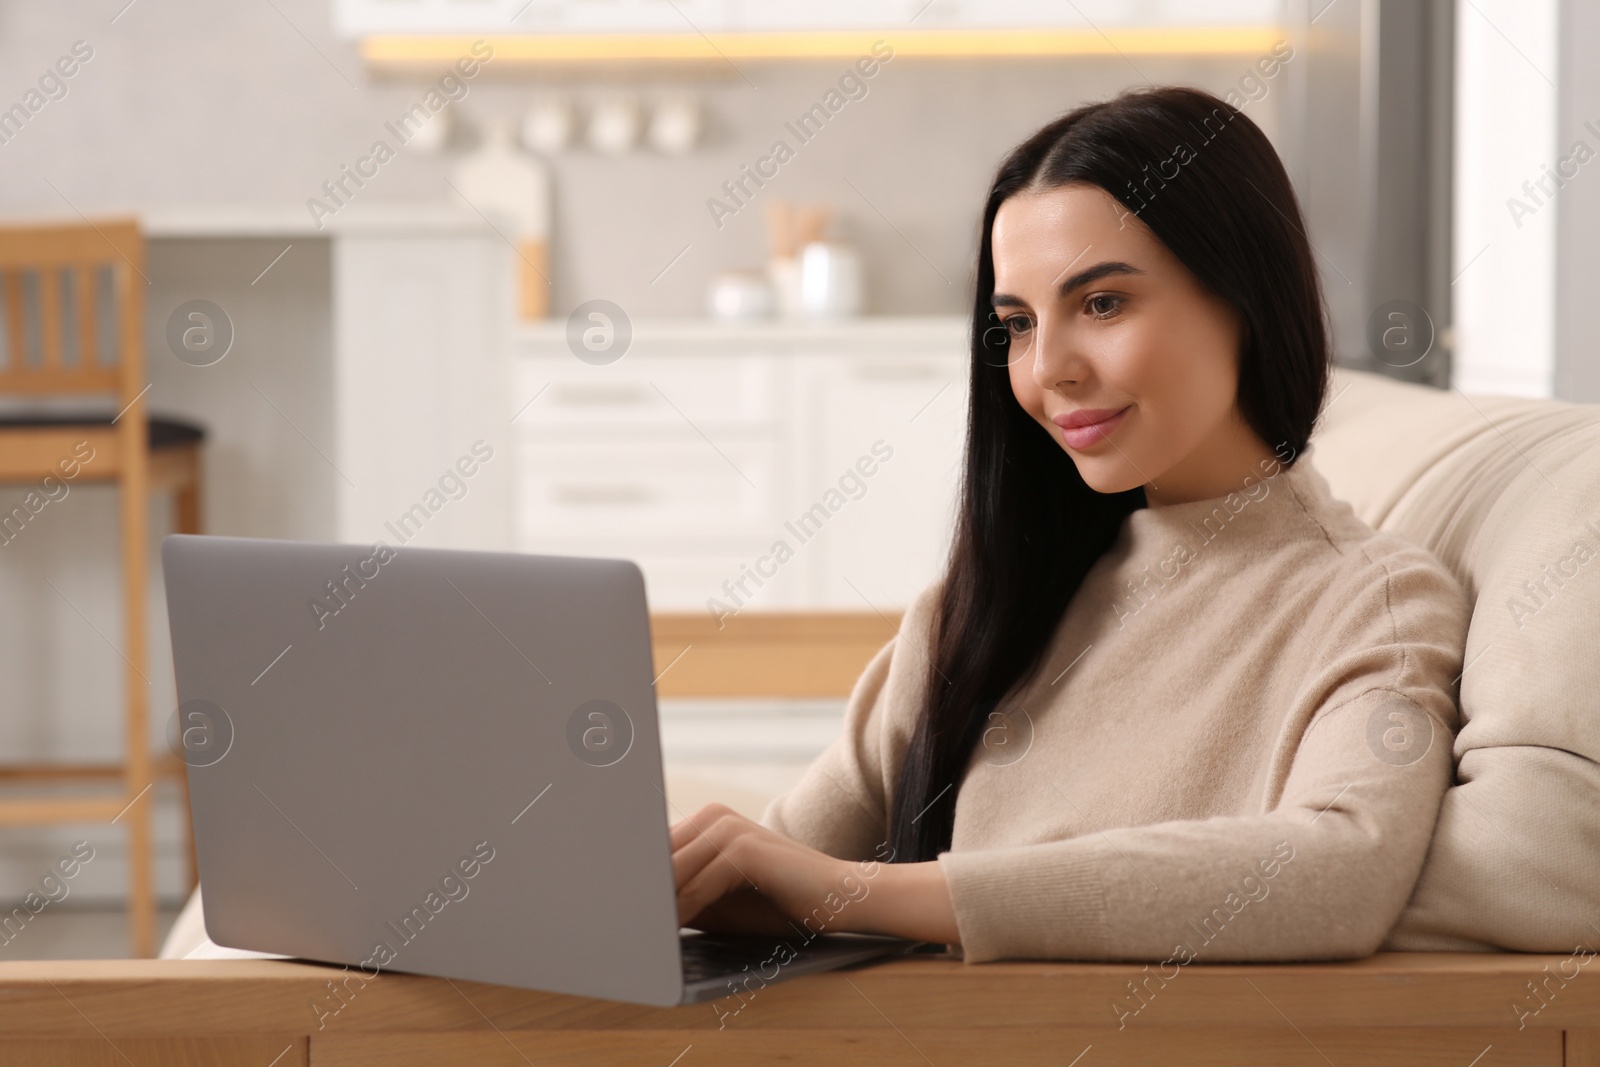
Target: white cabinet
(907,411)
(672,391)
(419,368)
(355,18)
(410,398)
(771,467)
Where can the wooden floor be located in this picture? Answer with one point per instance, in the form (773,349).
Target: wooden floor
(1406,1010)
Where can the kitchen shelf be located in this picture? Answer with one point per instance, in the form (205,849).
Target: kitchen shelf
(427,52)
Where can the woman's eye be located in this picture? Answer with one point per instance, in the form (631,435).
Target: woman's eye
(1103,305)
(1017,325)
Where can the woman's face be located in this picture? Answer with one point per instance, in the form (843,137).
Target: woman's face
(1104,323)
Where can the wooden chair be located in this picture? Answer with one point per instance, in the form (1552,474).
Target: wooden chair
(73,303)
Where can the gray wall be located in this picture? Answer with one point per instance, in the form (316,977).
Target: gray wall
(191,103)
(1577,374)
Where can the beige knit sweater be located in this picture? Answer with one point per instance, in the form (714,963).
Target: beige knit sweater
(1235,748)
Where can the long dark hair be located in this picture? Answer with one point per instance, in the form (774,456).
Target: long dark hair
(1028,527)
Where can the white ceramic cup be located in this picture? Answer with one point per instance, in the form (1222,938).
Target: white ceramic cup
(830,280)
(674,125)
(547,126)
(431,137)
(739,295)
(614,125)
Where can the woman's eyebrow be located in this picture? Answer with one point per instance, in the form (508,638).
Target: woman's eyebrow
(1096,272)
(1083,277)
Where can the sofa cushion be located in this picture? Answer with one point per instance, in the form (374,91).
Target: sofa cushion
(1506,492)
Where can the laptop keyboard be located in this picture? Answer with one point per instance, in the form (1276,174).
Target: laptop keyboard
(716,955)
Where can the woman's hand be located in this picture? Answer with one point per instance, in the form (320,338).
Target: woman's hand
(735,876)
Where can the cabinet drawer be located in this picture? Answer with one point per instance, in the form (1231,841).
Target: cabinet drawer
(646,490)
(657,392)
(686,581)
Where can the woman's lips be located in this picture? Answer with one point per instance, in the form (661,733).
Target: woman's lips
(1082,437)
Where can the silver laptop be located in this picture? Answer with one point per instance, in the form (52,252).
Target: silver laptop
(446,763)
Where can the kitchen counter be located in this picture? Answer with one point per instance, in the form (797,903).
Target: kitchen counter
(940,333)
(294,221)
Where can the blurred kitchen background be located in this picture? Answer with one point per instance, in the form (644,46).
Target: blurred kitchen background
(380,232)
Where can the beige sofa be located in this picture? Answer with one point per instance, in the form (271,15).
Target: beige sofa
(1506,492)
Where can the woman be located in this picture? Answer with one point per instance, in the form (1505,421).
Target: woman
(1170,699)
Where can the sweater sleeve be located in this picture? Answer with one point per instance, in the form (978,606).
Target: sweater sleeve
(1322,872)
(841,804)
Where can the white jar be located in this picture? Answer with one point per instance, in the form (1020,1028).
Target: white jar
(739,295)
(830,280)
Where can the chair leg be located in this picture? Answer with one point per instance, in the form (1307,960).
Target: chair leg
(138,782)
(141,900)
(186,517)
(188,830)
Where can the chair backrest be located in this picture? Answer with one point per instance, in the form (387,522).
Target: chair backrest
(1505,491)
(72,301)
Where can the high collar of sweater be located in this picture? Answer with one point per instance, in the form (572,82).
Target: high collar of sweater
(1262,509)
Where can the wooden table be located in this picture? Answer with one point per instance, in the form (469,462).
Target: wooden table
(1403,1009)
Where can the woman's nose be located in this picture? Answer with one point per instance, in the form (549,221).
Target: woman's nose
(1055,358)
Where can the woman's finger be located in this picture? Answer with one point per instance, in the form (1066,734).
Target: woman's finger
(743,911)
(693,857)
(711,882)
(686,829)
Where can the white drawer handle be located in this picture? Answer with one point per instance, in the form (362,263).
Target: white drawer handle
(589,495)
(594,395)
(898,372)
